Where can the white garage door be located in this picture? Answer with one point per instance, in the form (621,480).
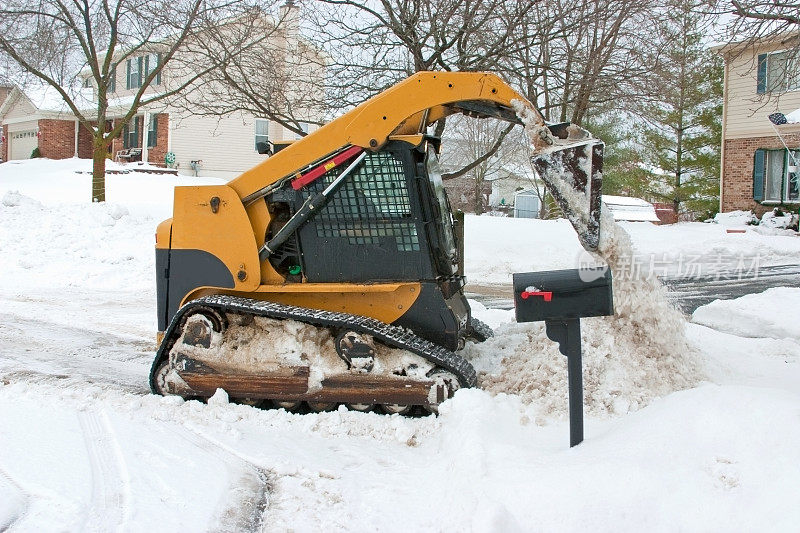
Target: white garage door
(23,143)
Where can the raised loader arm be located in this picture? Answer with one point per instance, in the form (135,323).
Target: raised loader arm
(567,159)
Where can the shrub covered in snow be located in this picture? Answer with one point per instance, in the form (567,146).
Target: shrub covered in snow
(779,219)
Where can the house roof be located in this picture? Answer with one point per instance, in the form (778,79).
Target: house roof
(47,98)
(754,42)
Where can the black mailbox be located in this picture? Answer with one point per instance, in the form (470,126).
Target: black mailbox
(561,298)
(562,294)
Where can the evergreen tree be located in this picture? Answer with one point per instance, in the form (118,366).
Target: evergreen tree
(680,133)
(623,161)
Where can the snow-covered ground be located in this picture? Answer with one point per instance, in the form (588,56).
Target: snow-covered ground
(84,447)
(496,247)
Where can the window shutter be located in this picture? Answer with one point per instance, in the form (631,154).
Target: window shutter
(139,81)
(762,74)
(158,76)
(759,166)
(128,75)
(113,73)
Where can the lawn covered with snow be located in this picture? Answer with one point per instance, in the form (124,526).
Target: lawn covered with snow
(700,437)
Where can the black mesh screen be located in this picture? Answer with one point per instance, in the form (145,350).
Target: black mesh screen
(372,206)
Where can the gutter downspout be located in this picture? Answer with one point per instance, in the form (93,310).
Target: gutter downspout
(77,125)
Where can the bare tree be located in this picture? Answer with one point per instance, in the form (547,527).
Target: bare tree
(265,68)
(760,19)
(576,57)
(54,41)
(373,45)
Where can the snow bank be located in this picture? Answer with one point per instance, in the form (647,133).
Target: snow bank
(496,247)
(772,314)
(95,246)
(736,219)
(695,248)
(631,358)
(69,181)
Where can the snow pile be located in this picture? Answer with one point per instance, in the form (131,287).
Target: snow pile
(630,358)
(69,181)
(104,246)
(639,354)
(736,219)
(770,314)
(777,219)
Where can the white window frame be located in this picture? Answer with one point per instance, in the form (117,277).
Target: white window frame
(260,137)
(304,127)
(783,84)
(133,74)
(150,62)
(782,196)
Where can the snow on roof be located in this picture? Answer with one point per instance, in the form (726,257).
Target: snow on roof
(632,209)
(47,98)
(793,117)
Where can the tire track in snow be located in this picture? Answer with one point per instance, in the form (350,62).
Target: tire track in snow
(24,496)
(245,509)
(109,508)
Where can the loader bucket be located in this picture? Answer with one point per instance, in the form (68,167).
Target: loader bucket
(572,171)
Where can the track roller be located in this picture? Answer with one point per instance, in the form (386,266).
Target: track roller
(395,409)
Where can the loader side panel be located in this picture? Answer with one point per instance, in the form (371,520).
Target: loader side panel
(186,271)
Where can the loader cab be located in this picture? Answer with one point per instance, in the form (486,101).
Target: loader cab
(389,221)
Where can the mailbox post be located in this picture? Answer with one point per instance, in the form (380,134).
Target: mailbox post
(561,298)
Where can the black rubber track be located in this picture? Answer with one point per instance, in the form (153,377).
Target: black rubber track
(393,336)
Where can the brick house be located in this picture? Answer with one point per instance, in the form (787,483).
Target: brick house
(758,172)
(37,118)
(222,146)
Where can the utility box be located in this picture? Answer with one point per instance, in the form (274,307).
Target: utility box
(563,294)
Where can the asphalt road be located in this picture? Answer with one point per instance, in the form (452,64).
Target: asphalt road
(688,293)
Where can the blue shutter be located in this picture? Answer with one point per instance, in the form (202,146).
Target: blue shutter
(128,74)
(158,76)
(762,74)
(139,81)
(113,74)
(759,167)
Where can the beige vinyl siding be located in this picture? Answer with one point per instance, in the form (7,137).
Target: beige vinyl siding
(22,126)
(20,109)
(747,110)
(226,145)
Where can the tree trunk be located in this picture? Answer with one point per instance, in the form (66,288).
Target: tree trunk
(99,151)
(478,194)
